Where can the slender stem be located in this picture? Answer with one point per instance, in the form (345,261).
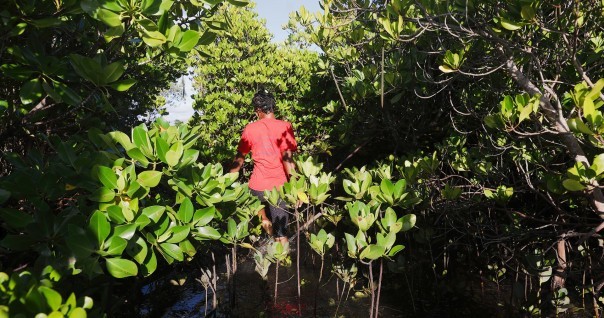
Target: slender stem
(379,289)
(276,281)
(321,272)
(298,255)
(205,308)
(410,292)
(372,289)
(214,284)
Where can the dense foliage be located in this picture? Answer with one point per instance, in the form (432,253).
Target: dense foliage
(71,65)
(507,93)
(238,64)
(478,120)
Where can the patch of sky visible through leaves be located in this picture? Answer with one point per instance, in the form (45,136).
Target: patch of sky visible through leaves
(179,103)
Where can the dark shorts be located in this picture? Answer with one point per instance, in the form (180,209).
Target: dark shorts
(277,214)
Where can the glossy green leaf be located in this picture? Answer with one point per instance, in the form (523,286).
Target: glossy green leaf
(208,233)
(173,251)
(108,17)
(123,85)
(77,313)
(204,216)
(53,298)
(372,252)
(154,212)
(138,250)
(149,178)
(113,72)
(149,266)
(31,92)
(408,222)
(141,139)
(116,245)
(153,38)
(188,41)
(107,177)
(115,214)
(99,226)
(120,268)
(577,126)
(125,231)
(186,210)
(573,185)
(102,195)
(179,233)
(138,155)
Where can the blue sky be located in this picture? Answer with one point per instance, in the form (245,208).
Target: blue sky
(276,13)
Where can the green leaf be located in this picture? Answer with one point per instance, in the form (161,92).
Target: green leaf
(113,72)
(149,178)
(179,233)
(185,212)
(395,249)
(115,214)
(577,126)
(595,91)
(77,313)
(204,216)
(138,250)
(525,113)
(120,268)
(408,222)
(162,148)
(153,38)
(149,266)
(125,231)
(123,85)
(108,17)
(122,139)
(208,233)
(187,247)
(116,245)
(99,226)
(510,25)
(598,164)
(372,252)
(527,13)
(107,177)
(173,251)
(31,92)
(573,185)
(15,219)
(142,141)
(138,155)
(206,38)
(154,212)
(53,298)
(189,40)
(173,155)
(102,195)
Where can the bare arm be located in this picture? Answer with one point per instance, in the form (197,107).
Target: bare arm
(237,162)
(288,162)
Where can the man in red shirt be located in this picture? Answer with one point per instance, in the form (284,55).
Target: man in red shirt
(271,142)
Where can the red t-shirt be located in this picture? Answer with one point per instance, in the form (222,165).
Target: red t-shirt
(267,139)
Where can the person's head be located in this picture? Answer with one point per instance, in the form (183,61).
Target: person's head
(263,102)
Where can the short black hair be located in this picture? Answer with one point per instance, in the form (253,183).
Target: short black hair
(264,101)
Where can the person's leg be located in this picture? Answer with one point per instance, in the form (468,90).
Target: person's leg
(266,224)
(280,217)
(265,220)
